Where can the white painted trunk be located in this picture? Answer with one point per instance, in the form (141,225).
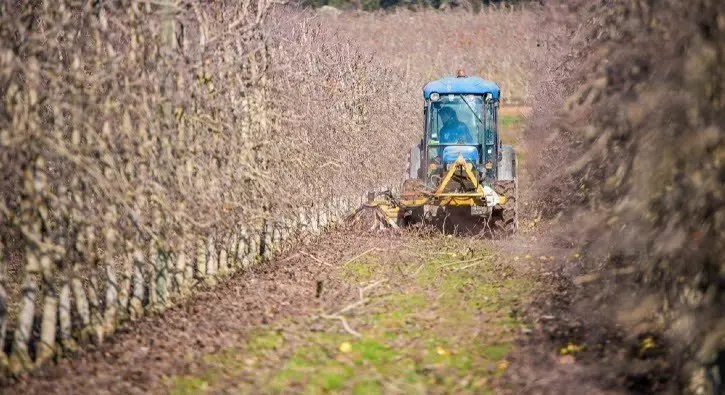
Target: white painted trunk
(276,238)
(338,209)
(314,223)
(49,314)
(253,248)
(109,316)
(20,358)
(212,258)
(46,348)
(322,217)
(180,270)
(64,316)
(125,286)
(257,246)
(244,247)
(94,302)
(267,241)
(236,251)
(303,220)
(81,300)
(223,256)
(201,256)
(135,309)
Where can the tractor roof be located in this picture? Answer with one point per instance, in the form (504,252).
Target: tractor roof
(462,85)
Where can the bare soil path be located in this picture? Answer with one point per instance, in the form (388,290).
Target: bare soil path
(390,313)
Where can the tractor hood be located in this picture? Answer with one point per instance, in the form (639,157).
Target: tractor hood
(468,152)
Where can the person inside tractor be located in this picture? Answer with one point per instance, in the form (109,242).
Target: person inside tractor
(453,130)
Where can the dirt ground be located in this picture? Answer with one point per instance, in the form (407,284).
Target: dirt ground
(352,312)
(387,312)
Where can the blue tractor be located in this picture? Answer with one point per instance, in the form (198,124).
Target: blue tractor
(460,167)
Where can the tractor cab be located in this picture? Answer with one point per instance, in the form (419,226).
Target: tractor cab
(460,125)
(460,122)
(460,165)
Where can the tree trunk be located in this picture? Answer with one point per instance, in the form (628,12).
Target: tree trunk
(46,349)
(109,316)
(136,304)
(201,257)
(64,316)
(20,358)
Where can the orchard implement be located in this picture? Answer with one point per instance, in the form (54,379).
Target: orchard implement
(459,168)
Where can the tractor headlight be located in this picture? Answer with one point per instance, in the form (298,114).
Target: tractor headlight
(435,96)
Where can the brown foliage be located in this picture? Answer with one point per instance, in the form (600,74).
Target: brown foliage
(424,45)
(345,122)
(636,161)
(125,123)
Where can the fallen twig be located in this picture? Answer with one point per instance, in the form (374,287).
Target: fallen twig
(467,266)
(314,258)
(361,254)
(344,323)
(417,271)
(463,261)
(361,301)
(293,256)
(587,278)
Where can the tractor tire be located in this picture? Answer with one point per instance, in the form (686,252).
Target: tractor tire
(413,217)
(504,218)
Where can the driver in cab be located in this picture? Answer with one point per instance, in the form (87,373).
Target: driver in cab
(453,130)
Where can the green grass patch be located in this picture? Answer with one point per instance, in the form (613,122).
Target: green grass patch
(508,122)
(188,385)
(510,127)
(361,270)
(446,329)
(264,340)
(496,352)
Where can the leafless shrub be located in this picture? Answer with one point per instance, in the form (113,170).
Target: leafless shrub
(125,127)
(426,44)
(346,120)
(635,161)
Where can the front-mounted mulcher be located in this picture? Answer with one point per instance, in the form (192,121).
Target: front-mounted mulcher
(459,168)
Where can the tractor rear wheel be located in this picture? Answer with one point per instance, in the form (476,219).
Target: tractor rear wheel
(504,219)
